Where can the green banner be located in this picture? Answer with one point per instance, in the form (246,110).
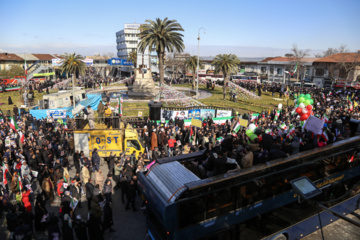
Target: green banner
(43,74)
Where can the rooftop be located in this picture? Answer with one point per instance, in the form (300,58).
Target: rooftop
(341,57)
(10,57)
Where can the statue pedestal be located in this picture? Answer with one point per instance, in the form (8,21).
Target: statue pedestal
(144,86)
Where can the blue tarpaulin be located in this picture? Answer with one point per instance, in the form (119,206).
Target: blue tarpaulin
(93,100)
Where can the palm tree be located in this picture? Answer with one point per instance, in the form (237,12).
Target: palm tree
(73,64)
(225,63)
(133,58)
(191,63)
(161,35)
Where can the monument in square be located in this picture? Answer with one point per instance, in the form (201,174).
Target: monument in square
(144,86)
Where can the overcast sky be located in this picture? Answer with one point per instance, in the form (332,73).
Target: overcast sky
(257,28)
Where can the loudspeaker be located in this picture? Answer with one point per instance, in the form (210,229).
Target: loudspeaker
(155,110)
(116,122)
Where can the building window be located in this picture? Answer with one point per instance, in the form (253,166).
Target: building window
(263,69)
(279,71)
(271,70)
(319,72)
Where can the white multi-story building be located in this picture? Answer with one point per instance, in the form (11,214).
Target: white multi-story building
(127,41)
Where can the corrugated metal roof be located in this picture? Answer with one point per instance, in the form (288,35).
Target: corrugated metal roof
(27,56)
(169,179)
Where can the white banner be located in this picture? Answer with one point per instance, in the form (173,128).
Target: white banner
(56,113)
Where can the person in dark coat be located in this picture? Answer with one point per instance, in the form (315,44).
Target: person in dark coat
(111,163)
(40,211)
(108,218)
(131,194)
(12,219)
(80,228)
(10,102)
(76,192)
(54,231)
(276,153)
(77,161)
(89,192)
(95,159)
(93,226)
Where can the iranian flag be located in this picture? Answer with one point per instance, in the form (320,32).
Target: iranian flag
(293,112)
(5,170)
(325,136)
(254,116)
(323,95)
(325,118)
(283,126)
(25,67)
(338,92)
(301,141)
(13,124)
(120,106)
(351,159)
(291,131)
(330,93)
(351,107)
(22,137)
(101,87)
(19,184)
(237,127)
(277,114)
(268,131)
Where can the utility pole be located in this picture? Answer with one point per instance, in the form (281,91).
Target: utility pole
(197,72)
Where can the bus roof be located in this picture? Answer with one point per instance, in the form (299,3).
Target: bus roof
(169,179)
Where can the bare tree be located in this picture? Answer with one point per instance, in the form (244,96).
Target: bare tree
(298,57)
(332,51)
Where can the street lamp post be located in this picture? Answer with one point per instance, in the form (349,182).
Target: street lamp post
(197,68)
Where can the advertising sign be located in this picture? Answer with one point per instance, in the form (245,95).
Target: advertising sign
(194,113)
(125,62)
(166,114)
(114,61)
(223,113)
(182,115)
(56,62)
(88,62)
(56,113)
(207,113)
(119,61)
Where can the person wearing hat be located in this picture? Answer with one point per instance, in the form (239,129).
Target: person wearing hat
(91,117)
(107,116)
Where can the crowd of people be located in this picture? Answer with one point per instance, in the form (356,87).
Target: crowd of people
(41,168)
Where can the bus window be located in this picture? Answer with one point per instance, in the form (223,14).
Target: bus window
(192,211)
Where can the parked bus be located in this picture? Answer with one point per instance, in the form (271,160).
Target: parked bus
(217,78)
(244,78)
(252,203)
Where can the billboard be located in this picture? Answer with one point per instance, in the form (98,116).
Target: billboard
(207,113)
(182,115)
(119,61)
(194,113)
(223,113)
(166,114)
(88,62)
(56,62)
(56,113)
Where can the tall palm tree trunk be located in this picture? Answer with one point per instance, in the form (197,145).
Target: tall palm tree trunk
(73,90)
(161,66)
(193,82)
(224,87)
